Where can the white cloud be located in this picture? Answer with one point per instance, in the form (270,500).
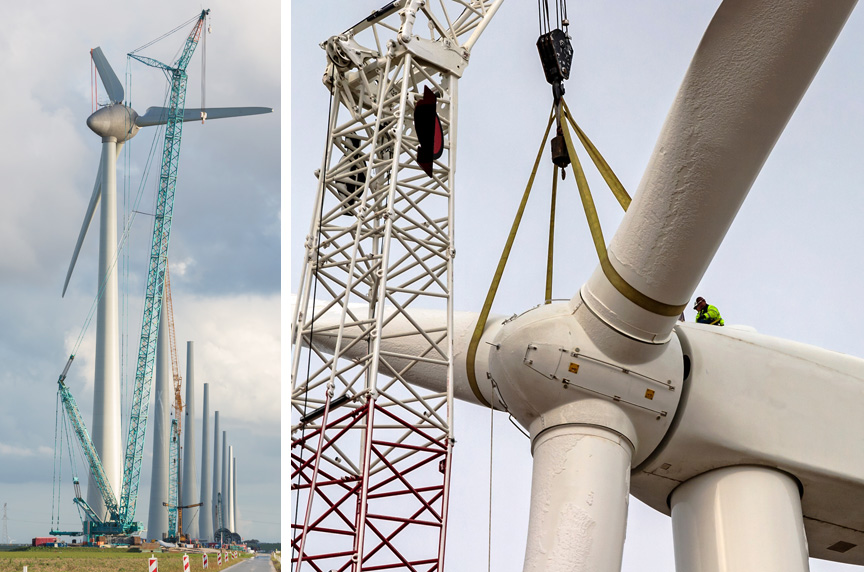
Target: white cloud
(15,451)
(237,351)
(180,267)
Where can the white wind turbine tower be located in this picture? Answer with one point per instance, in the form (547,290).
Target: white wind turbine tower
(116,123)
(736,435)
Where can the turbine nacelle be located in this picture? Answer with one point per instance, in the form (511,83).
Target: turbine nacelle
(116,120)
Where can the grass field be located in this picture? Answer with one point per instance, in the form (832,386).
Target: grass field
(100,560)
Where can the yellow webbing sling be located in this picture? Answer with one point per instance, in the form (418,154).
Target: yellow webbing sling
(612,275)
(496,279)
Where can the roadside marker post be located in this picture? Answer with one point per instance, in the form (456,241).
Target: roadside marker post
(185,563)
(153,564)
(219,559)
(204,561)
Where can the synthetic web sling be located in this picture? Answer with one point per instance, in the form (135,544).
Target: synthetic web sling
(612,275)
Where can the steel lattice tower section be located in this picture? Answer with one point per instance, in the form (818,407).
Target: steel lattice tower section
(370,452)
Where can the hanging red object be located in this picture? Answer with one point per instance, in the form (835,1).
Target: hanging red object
(427,125)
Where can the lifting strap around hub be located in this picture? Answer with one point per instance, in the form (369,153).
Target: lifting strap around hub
(611,274)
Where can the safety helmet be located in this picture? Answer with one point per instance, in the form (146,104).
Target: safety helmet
(699,300)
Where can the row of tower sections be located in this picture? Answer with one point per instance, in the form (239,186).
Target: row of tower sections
(194,483)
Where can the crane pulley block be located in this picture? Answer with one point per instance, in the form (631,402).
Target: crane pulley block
(556,55)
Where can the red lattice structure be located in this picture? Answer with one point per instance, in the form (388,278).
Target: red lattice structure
(393,505)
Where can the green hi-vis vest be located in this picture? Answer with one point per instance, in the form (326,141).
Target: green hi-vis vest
(710,315)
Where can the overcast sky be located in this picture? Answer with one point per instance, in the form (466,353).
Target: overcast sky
(224,243)
(790,265)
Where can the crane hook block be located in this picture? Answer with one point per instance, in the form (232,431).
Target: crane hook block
(430,134)
(556,55)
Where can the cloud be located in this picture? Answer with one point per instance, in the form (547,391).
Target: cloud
(237,351)
(14,451)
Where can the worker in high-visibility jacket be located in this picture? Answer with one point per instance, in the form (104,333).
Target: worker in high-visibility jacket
(707,314)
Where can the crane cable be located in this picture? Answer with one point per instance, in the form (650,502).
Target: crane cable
(491,449)
(330,113)
(546,21)
(593,223)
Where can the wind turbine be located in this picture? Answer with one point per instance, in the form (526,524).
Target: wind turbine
(731,432)
(116,123)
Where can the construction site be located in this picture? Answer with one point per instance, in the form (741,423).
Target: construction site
(155,440)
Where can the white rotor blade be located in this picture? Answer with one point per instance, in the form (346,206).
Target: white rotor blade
(400,338)
(88,216)
(748,75)
(159,115)
(109,78)
(580,486)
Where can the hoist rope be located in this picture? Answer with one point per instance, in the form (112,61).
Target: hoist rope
(314,296)
(58,451)
(205,30)
(544,16)
(499,271)
(491,449)
(166,34)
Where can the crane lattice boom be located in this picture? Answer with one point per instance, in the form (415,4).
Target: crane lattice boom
(381,246)
(156,272)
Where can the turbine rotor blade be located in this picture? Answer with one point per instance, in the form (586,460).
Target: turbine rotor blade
(107,75)
(88,217)
(401,337)
(580,487)
(753,66)
(159,115)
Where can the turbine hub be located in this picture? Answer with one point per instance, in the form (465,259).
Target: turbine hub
(114,121)
(549,372)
